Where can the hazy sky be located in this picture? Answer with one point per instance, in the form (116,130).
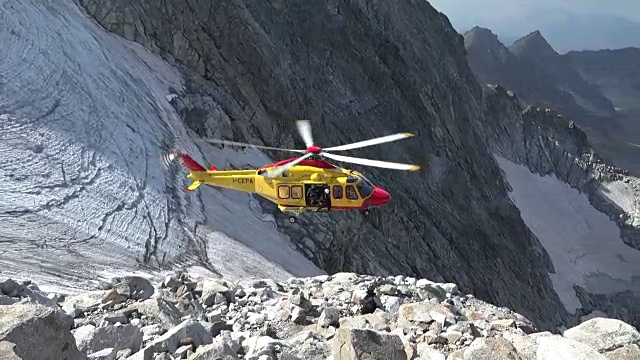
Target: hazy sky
(470,10)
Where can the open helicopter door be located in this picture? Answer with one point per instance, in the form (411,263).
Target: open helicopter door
(317,195)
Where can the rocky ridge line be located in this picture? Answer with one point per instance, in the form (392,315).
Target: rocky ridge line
(339,317)
(553,143)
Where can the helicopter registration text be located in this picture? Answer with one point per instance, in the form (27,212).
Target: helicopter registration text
(243,180)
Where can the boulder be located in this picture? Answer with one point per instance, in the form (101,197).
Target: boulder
(350,344)
(31,330)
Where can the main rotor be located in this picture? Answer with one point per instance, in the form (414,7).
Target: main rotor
(304,130)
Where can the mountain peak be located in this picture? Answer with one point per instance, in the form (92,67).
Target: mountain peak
(533,44)
(482,37)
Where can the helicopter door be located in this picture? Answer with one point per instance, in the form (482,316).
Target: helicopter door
(316,195)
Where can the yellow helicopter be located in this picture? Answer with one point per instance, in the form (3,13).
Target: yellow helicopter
(304,183)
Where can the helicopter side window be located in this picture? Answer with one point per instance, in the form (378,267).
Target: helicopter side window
(296,192)
(365,188)
(283,191)
(351,193)
(352,179)
(337,192)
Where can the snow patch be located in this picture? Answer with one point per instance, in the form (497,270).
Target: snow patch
(620,194)
(583,243)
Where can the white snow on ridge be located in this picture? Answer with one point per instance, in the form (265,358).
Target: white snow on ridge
(620,194)
(583,243)
(84,121)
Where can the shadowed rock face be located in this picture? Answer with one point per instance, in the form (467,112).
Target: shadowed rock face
(358,70)
(616,72)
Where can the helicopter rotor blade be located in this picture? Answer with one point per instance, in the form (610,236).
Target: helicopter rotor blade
(304,129)
(281,169)
(368,162)
(375,141)
(235,143)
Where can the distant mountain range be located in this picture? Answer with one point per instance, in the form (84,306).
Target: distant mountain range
(616,72)
(535,72)
(567,31)
(599,89)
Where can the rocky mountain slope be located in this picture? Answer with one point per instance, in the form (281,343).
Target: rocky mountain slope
(536,72)
(616,72)
(103,200)
(340,317)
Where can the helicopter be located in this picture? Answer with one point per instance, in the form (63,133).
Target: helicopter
(304,183)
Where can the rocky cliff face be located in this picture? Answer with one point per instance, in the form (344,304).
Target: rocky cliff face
(535,72)
(359,70)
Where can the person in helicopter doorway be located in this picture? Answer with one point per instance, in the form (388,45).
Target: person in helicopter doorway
(318,196)
(325,200)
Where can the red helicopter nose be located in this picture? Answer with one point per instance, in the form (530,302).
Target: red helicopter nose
(378,197)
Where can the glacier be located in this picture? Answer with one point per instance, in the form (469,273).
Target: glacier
(583,243)
(85,119)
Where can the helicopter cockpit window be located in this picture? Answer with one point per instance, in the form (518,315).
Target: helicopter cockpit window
(364,187)
(351,193)
(352,179)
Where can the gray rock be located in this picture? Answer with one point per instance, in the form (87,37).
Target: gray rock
(6,300)
(329,317)
(432,354)
(350,343)
(78,304)
(388,289)
(526,346)
(9,287)
(391,304)
(145,353)
(158,310)
(556,347)
(217,350)
(257,346)
(105,354)
(424,312)
(298,315)
(627,352)
(134,287)
(604,334)
(491,348)
(117,317)
(27,331)
(215,292)
(90,339)
(187,329)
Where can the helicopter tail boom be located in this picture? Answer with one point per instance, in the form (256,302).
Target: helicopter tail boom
(191,164)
